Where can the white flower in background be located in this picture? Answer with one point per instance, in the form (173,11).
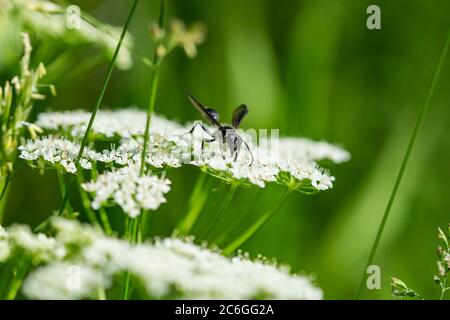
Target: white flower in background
(200,273)
(302,150)
(49,19)
(38,246)
(127,189)
(64,281)
(72,233)
(121,123)
(5,250)
(56,151)
(165,268)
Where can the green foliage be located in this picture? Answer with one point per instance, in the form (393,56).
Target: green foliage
(401,290)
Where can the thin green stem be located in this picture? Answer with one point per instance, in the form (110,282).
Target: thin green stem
(86,202)
(239,241)
(130,235)
(98,102)
(225,204)
(196,203)
(105,221)
(101,293)
(238,222)
(10,176)
(154,78)
(61,183)
(443,288)
(401,172)
(17,280)
(3,185)
(5,180)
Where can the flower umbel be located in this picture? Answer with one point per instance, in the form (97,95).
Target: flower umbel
(127,189)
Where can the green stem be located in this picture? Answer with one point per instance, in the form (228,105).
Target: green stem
(134,230)
(3,185)
(196,203)
(398,180)
(61,183)
(239,241)
(154,78)
(17,280)
(223,208)
(130,235)
(238,222)
(9,177)
(98,103)
(101,293)
(105,221)
(443,289)
(6,269)
(142,225)
(86,202)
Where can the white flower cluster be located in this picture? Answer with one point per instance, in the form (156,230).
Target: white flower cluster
(57,151)
(302,150)
(293,163)
(19,240)
(126,188)
(129,152)
(64,152)
(121,123)
(50,19)
(290,161)
(166,268)
(53,282)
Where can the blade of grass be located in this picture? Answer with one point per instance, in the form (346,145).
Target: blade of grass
(98,103)
(401,172)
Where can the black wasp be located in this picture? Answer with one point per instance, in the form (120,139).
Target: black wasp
(226,134)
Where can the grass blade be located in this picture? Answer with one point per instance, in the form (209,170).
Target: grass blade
(418,125)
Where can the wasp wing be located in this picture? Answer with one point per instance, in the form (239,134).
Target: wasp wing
(238,114)
(209,114)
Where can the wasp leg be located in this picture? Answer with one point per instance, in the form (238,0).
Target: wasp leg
(201,126)
(249,151)
(203,144)
(195,126)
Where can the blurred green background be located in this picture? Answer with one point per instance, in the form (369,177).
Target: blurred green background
(309,68)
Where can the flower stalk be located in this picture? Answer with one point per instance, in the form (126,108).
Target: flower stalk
(240,240)
(196,203)
(223,208)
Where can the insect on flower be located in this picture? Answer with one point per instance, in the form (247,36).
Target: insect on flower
(225,134)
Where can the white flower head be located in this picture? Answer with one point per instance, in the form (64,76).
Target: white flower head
(56,151)
(165,268)
(126,188)
(38,246)
(121,123)
(51,20)
(64,281)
